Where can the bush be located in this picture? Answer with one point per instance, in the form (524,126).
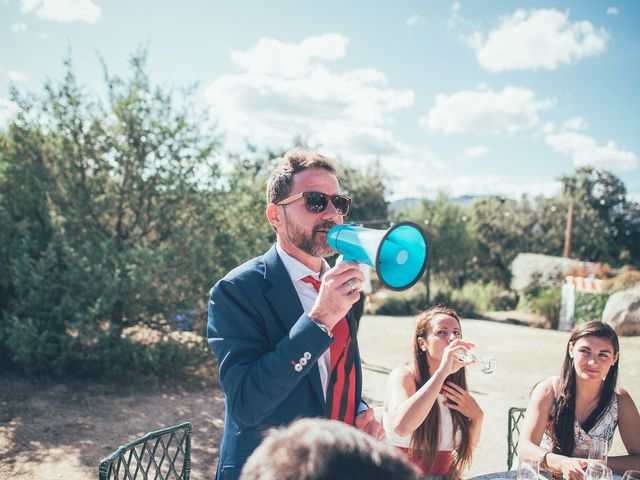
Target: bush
(545,302)
(589,306)
(409,302)
(486,296)
(464,306)
(624,281)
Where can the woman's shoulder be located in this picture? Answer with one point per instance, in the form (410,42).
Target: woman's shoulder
(546,388)
(623,396)
(402,373)
(402,376)
(621,392)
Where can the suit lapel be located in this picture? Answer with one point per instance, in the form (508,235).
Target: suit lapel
(286,303)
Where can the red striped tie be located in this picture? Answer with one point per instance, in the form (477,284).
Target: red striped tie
(341,390)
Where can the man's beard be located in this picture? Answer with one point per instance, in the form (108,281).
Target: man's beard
(312,242)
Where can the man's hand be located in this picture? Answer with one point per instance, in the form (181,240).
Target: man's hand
(339,290)
(367,422)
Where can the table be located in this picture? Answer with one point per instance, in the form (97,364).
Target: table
(511,475)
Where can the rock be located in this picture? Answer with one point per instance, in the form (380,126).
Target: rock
(622,312)
(530,270)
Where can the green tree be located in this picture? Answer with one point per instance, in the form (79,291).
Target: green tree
(109,209)
(452,247)
(606,225)
(368,188)
(503,228)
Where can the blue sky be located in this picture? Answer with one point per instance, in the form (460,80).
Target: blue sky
(467,97)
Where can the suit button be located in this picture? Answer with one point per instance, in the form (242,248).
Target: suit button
(303,361)
(306,355)
(298,367)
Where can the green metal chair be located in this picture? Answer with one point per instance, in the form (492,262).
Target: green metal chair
(516,414)
(161,455)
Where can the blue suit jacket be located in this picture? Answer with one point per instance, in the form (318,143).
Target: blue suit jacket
(259,332)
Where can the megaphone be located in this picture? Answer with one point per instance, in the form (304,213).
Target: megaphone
(398,254)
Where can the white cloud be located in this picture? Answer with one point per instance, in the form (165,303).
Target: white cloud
(15,76)
(613,11)
(413,20)
(575,124)
(512,110)
(547,128)
(423,183)
(279,59)
(477,151)
(537,39)
(584,150)
(287,90)
(63,10)
(7,110)
(18,27)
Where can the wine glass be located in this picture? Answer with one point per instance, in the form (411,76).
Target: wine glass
(485,363)
(598,471)
(528,469)
(598,451)
(631,475)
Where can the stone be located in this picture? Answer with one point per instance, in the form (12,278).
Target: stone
(622,312)
(531,270)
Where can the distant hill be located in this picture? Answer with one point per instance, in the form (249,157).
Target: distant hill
(399,205)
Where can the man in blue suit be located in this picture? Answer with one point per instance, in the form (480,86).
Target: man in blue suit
(280,324)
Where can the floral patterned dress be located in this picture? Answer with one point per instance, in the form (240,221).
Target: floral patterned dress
(602,430)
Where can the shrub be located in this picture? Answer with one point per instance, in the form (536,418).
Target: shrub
(408,302)
(486,296)
(464,306)
(545,302)
(589,306)
(624,281)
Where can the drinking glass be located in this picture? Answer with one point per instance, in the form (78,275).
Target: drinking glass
(598,471)
(485,363)
(631,475)
(598,451)
(528,469)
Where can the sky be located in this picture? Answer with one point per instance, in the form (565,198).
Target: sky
(464,97)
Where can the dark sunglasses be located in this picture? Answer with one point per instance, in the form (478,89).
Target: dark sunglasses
(317,202)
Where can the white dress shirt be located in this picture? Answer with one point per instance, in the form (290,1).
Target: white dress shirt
(307,295)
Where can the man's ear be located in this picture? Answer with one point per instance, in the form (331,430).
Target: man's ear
(274,215)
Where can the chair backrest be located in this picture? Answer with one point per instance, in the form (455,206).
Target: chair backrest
(516,414)
(162,455)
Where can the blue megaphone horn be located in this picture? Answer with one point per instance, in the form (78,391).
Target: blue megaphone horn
(398,254)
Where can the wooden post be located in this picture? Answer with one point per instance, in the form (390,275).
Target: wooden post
(567,232)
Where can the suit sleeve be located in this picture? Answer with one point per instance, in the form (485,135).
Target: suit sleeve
(255,375)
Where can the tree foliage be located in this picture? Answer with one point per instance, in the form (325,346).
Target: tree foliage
(452,248)
(367,188)
(105,207)
(606,226)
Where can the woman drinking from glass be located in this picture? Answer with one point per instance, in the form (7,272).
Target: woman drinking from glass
(428,412)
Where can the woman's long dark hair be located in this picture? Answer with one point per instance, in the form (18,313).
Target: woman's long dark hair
(563,435)
(425,439)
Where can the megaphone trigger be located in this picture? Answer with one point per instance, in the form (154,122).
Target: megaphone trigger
(399,254)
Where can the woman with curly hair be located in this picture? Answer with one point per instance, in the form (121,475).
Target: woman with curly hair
(428,412)
(566,414)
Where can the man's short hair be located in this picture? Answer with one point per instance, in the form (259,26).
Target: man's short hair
(321,449)
(294,161)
